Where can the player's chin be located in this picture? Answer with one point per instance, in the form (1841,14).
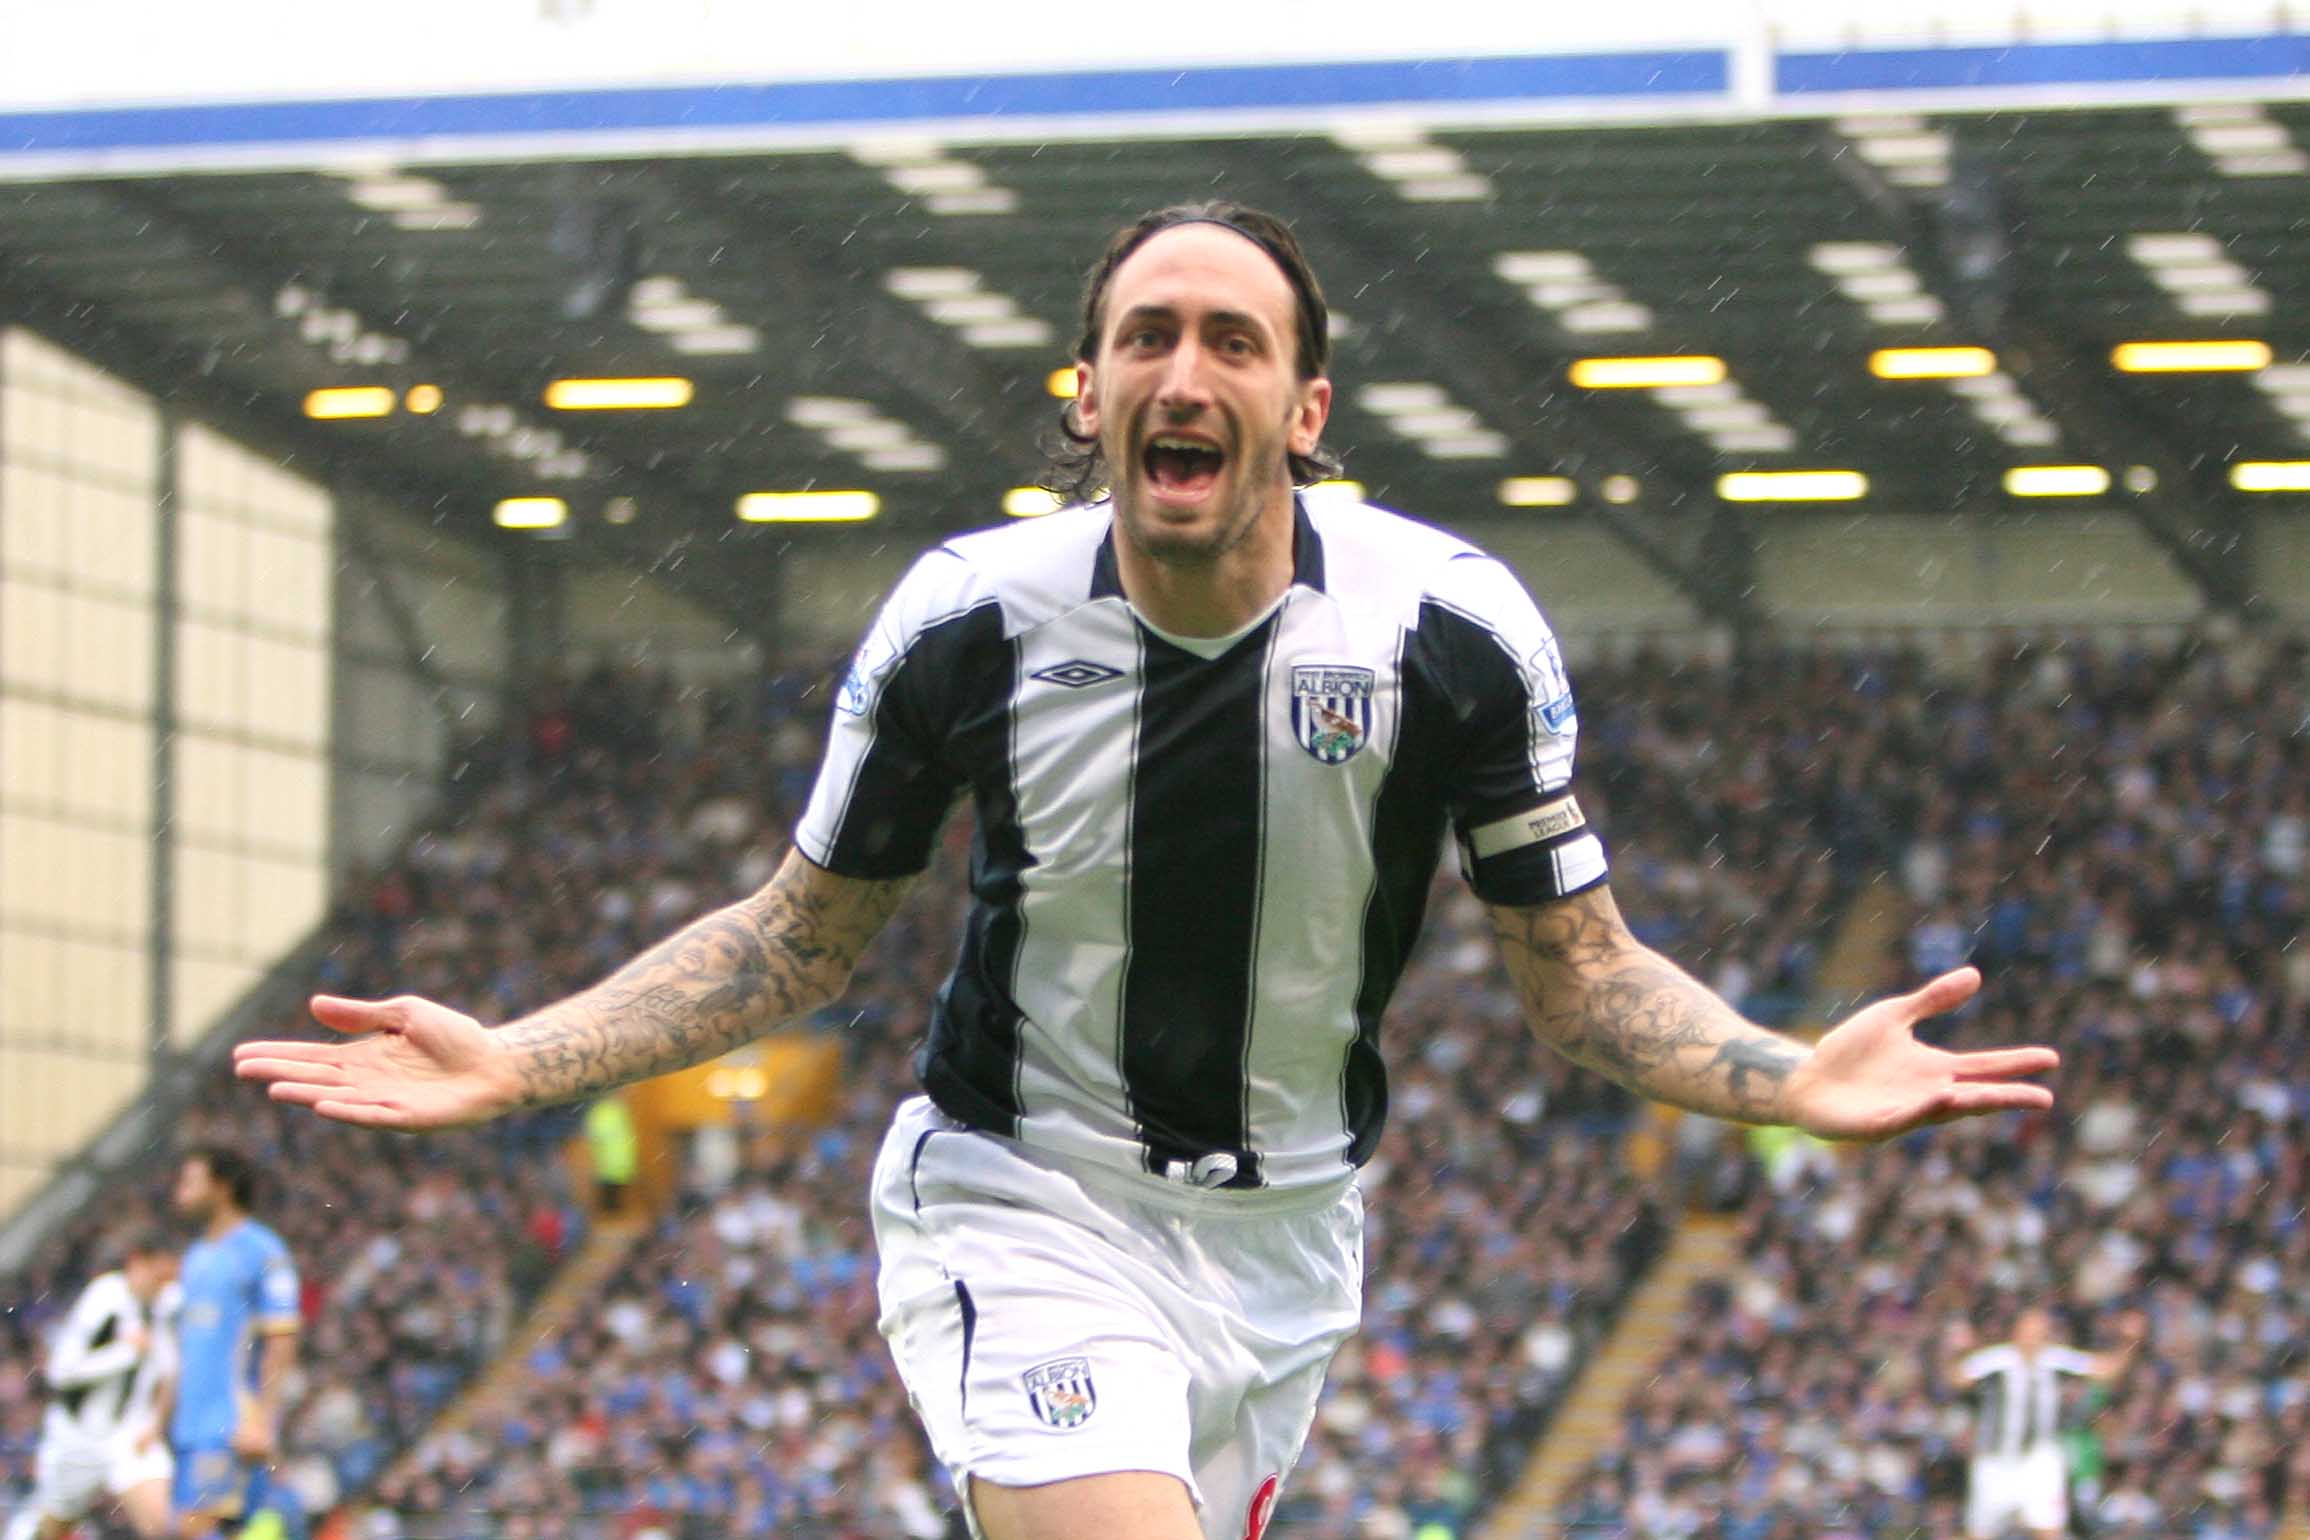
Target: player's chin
(1174,530)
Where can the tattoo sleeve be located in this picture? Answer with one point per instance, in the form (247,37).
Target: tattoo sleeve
(723,981)
(1604,999)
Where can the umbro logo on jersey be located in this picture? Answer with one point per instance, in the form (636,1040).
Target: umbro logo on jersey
(1061,1392)
(1076,673)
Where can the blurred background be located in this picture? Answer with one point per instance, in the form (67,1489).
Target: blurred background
(445,457)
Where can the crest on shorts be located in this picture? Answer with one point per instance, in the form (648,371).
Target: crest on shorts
(1061,1392)
(1331,709)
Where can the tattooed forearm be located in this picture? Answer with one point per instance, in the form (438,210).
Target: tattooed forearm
(1605,1000)
(725,980)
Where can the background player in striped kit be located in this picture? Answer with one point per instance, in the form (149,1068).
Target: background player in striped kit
(105,1376)
(1215,741)
(2017,1476)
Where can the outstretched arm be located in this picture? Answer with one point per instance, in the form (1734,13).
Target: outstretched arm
(1604,999)
(723,981)
(2110,1365)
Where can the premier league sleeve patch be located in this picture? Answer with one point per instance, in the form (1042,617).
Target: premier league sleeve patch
(1061,1392)
(1331,710)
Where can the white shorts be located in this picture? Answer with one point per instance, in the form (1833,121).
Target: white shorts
(1054,1320)
(2030,1489)
(73,1477)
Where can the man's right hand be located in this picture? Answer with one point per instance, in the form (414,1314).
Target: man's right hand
(407,1064)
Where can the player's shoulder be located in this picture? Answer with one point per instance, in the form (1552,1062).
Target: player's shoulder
(105,1291)
(1377,555)
(260,1241)
(1037,569)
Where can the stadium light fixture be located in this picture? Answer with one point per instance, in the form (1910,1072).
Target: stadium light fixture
(969,309)
(1792,486)
(424,400)
(1646,373)
(1481,445)
(1063,383)
(828,411)
(2271,475)
(676,315)
(1031,502)
(716,340)
(1393,398)
(875,433)
(808,507)
(1340,488)
(904,457)
(920,283)
(1932,363)
(1538,491)
(619,395)
(531,513)
(2056,481)
(1019,331)
(345,401)
(2190,357)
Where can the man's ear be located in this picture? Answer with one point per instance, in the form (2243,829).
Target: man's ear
(1086,408)
(1309,416)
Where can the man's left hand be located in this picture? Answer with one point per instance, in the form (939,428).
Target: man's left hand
(1870,1078)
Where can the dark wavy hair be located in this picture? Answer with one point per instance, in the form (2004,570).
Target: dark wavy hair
(1077,472)
(231,1170)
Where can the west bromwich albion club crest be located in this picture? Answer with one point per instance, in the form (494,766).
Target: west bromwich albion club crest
(1060,1392)
(1331,709)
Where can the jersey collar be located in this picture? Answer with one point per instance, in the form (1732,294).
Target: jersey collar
(1306,556)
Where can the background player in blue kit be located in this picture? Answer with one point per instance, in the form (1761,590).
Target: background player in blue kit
(237,1338)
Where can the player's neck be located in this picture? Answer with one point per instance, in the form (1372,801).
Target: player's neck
(222,1223)
(1217,597)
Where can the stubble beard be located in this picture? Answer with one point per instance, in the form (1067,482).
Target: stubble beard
(1190,549)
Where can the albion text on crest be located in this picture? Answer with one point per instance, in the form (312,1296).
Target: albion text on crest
(1331,709)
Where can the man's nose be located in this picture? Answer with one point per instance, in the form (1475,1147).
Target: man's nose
(1184,391)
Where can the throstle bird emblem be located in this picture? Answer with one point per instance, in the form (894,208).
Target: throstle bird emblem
(1061,1392)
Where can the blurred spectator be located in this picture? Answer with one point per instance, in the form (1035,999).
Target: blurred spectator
(614,1149)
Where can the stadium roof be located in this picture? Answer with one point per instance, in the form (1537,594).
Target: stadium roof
(886,316)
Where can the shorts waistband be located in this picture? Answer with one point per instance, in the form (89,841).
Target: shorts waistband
(1145,1187)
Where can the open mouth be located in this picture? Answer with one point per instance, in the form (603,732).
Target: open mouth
(1178,466)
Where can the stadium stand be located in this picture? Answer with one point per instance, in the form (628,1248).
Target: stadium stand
(2118,837)
(730,1380)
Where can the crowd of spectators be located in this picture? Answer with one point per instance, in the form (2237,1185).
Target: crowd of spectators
(729,1379)
(2118,838)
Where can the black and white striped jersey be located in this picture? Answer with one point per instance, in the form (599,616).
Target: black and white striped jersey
(2018,1395)
(1200,864)
(107,1360)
